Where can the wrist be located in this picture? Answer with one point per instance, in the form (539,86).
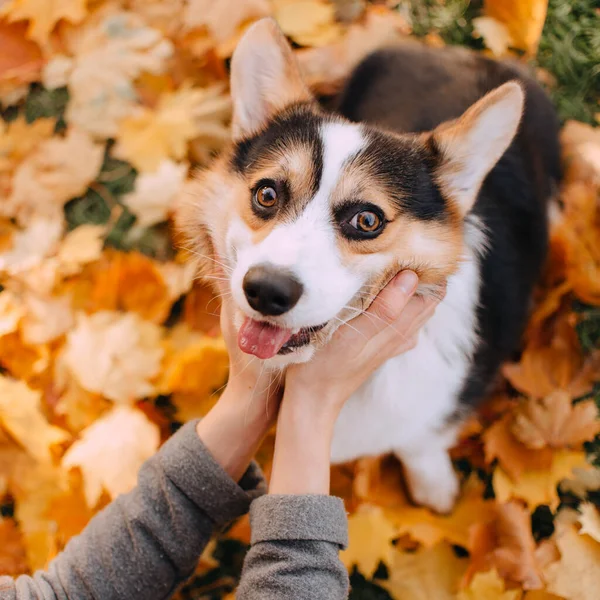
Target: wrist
(320,407)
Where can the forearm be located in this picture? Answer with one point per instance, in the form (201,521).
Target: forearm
(148,541)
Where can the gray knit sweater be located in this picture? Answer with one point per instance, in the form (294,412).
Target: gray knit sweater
(146,543)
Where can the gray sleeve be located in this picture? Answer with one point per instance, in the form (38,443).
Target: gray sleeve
(145,543)
(295,549)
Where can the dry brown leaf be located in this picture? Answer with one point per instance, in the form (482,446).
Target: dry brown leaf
(488,586)
(111,451)
(432,573)
(58,170)
(43,15)
(537,487)
(21,417)
(576,576)
(555,422)
(370,540)
(590,520)
(506,544)
(150,136)
(523,18)
(114,354)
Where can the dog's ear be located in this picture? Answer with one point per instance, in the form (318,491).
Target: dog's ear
(470,146)
(264,77)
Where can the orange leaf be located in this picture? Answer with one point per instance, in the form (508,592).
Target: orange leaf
(12,550)
(21,59)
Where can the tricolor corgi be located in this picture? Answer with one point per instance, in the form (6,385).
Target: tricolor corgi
(439,161)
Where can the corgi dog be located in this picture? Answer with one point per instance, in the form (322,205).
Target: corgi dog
(439,161)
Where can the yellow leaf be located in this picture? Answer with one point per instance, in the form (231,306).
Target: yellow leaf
(370,534)
(308,22)
(46,318)
(153,196)
(43,15)
(538,487)
(80,247)
(12,551)
(20,138)
(151,136)
(21,417)
(576,576)
(111,451)
(523,18)
(114,355)
(428,574)
(488,586)
(108,53)
(495,34)
(590,520)
(60,169)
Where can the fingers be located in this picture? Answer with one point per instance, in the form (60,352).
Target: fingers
(388,305)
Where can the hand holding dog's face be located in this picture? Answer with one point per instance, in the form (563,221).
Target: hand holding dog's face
(312,215)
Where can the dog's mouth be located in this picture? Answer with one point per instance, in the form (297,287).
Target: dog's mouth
(266,340)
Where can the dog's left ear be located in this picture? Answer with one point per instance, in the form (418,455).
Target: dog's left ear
(264,77)
(470,146)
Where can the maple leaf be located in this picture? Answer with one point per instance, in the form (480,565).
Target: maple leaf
(524,20)
(114,354)
(43,15)
(488,586)
(46,318)
(21,417)
(555,421)
(576,576)
(537,487)
(19,138)
(107,55)
(590,520)
(307,22)
(111,451)
(151,136)
(370,534)
(152,199)
(222,19)
(79,247)
(60,169)
(506,544)
(425,574)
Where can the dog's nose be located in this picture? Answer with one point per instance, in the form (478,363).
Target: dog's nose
(271,291)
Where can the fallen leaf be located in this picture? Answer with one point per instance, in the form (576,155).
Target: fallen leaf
(506,545)
(19,138)
(150,136)
(370,534)
(178,278)
(537,487)
(60,169)
(13,559)
(21,360)
(555,421)
(111,451)
(582,482)
(308,22)
(115,355)
(488,586)
(79,247)
(432,573)
(590,520)
(524,20)
(43,15)
(11,312)
(21,59)
(576,576)
(201,310)
(46,318)
(222,19)
(152,198)
(22,418)
(495,34)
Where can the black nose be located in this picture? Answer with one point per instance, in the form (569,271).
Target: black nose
(271,291)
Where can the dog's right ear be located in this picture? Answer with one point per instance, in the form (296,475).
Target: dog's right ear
(264,78)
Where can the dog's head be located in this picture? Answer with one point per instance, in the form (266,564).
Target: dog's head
(307,215)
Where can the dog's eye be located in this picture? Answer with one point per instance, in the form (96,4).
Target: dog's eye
(266,196)
(366,221)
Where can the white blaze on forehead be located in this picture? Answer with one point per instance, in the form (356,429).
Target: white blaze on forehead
(307,246)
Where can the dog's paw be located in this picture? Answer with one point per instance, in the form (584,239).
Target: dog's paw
(436,488)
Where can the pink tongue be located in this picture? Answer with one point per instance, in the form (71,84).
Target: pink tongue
(261,339)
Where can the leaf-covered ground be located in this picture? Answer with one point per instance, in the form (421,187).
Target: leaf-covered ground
(108,344)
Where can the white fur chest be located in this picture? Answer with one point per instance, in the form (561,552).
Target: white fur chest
(407,401)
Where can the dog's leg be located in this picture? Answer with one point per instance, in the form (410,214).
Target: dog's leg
(430,476)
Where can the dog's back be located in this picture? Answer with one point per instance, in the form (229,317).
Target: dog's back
(413,88)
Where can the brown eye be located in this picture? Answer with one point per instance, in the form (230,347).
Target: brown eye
(266,196)
(366,221)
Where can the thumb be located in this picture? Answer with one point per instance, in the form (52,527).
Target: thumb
(389,304)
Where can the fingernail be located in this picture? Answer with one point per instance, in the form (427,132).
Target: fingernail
(406,281)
